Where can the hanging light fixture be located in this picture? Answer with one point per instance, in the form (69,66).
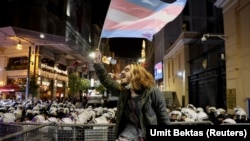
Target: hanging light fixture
(19,45)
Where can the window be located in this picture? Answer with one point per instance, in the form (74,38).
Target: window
(18,63)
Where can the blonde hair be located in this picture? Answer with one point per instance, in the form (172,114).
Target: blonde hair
(140,77)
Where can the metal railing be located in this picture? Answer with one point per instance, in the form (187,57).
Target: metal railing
(65,132)
(57,132)
(29,132)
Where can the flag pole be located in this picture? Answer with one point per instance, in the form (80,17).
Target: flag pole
(99,43)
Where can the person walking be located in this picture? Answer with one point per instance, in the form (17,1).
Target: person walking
(140,104)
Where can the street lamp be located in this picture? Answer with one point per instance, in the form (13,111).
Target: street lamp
(28,76)
(19,46)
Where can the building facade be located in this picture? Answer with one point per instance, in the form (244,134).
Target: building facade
(212,72)
(55,38)
(183,53)
(237,48)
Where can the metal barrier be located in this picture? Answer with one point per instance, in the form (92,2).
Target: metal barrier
(60,132)
(6,129)
(192,123)
(235,124)
(31,132)
(85,132)
(67,132)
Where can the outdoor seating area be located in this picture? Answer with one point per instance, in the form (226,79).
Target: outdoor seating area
(11,91)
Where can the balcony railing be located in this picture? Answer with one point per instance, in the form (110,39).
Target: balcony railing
(16,67)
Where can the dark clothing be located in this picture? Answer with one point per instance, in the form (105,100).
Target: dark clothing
(151,107)
(131,110)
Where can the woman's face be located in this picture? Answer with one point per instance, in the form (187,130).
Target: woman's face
(126,75)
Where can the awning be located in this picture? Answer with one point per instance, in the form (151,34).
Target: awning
(10,36)
(10,88)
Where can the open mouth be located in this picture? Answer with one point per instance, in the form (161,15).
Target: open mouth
(122,75)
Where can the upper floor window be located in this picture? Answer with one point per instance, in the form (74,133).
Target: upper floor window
(48,62)
(18,63)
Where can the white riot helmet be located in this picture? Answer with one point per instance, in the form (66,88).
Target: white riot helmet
(241,114)
(201,116)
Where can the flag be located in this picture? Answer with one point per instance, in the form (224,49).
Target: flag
(139,18)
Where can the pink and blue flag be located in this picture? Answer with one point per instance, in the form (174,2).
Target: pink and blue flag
(139,18)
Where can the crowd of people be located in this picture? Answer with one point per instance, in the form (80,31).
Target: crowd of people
(216,116)
(67,112)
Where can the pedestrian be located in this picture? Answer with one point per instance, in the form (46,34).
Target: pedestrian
(140,103)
